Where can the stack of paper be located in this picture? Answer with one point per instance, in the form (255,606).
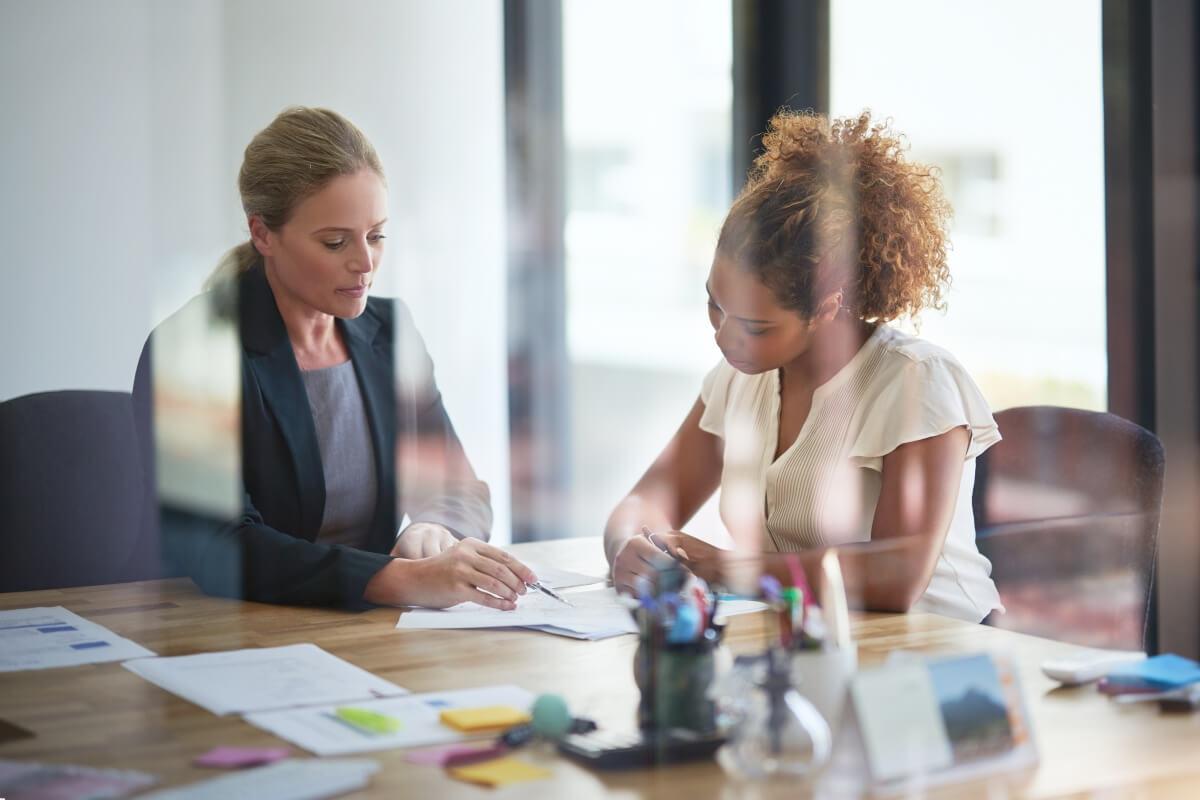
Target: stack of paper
(39,638)
(239,681)
(285,780)
(416,721)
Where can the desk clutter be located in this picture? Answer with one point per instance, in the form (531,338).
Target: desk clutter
(1168,679)
(798,710)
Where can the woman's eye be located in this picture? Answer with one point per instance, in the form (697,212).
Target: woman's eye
(335,245)
(756,331)
(377,237)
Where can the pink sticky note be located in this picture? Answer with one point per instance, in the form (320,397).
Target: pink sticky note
(454,754)
(236,757)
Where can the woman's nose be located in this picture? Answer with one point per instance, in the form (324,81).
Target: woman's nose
(361,258)
(723,336)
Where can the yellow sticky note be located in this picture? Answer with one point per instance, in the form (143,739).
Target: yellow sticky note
(484,718)
(499,772)
(369,721)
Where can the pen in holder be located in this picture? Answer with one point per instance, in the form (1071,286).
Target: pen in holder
(676,660)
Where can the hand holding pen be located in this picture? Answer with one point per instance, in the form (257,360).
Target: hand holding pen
(649,534)
(639,561)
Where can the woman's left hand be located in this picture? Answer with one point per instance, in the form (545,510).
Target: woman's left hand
(696,554)
(423,540)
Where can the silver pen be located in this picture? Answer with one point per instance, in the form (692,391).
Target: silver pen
(548,592)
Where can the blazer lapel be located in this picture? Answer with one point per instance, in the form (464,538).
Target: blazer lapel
(270,356)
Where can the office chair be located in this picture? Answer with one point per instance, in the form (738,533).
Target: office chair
(1067,509)
(73,494)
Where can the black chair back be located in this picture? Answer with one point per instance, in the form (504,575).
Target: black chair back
(73,493)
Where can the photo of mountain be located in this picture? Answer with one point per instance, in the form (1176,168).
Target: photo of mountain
(973,707)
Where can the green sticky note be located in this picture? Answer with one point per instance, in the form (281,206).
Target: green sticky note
(369,721)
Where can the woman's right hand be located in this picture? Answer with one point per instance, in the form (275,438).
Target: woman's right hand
(637,564)
(468,570)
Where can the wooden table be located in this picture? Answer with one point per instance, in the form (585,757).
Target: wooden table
(102,715)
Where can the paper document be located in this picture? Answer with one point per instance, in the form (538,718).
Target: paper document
(594,613)
(556,578)
(238,681)
(292,779)
(320,730)
(591,611)
(64,781)
(40,638)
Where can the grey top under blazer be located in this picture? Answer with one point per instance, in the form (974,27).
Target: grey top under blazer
(269,552)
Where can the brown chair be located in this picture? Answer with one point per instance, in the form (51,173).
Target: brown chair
(1067,509)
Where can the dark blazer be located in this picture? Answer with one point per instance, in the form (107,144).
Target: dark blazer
(269,552)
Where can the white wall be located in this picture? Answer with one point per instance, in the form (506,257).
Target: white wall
(76,201)
(123,130)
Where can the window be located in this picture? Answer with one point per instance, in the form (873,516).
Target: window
(647,98)
(1020,142)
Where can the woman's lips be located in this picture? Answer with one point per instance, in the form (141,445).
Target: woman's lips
(356,291)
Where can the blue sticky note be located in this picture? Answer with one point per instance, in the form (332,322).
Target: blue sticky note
(1167,671)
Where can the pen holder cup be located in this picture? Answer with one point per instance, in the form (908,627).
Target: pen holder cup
(823,678)
(674,681)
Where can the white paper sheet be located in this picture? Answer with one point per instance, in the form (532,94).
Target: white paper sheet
(65,781)
(594,613)
(556,578)
(262,679)
(591,610)
(41,638)
(319,731)
(291,779)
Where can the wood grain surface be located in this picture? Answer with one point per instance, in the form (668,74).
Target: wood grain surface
(105,716)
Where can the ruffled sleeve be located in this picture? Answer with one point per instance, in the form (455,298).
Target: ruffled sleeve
(924,398)
(714,393)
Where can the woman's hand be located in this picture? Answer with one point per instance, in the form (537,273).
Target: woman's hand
(696,554)
(637,565)
(468,570)
(423,540)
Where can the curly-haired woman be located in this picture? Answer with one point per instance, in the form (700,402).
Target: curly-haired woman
(823,425)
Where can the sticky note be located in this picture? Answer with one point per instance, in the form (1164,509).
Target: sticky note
(368,721)
(236,757)
(484,718)
(499,772)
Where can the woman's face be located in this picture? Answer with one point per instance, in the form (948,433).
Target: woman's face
(326,255)
(754,333)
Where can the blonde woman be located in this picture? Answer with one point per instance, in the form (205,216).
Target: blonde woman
(338,444)
(824,426)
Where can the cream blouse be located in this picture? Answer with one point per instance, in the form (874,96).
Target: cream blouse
(823,490)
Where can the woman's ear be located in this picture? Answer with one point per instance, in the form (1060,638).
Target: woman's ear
(260,235)
(828,308)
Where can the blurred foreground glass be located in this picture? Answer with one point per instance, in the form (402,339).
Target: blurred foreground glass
(648,177)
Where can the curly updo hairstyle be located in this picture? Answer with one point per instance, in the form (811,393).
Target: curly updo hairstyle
(834,205)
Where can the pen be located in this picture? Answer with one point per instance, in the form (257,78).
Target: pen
(548,592)
(649,534)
